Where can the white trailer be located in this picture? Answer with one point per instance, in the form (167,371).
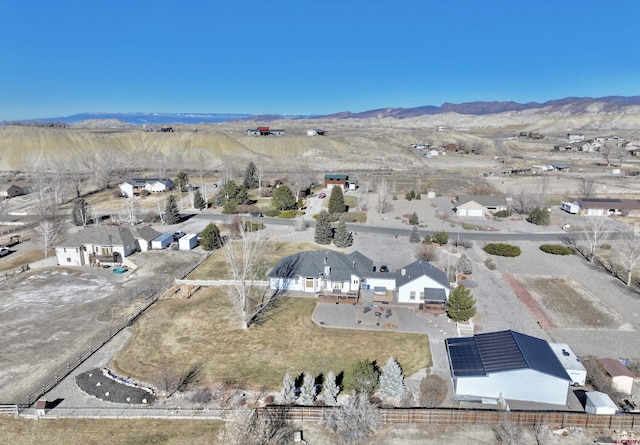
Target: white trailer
(570,207)
(570,362)
(188,241)
(162,242)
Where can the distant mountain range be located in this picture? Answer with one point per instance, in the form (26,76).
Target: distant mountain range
(569,106)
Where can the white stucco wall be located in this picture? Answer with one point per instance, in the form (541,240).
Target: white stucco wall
(418,285)
(525,384)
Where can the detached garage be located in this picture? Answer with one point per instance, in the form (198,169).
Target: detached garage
(488,366)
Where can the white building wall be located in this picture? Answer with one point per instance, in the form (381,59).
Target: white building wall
(418,285)
(388,283)
(525,384)
(69,256)
(127,189)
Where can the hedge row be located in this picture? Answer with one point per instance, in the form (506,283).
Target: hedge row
(557,249)
(501,249)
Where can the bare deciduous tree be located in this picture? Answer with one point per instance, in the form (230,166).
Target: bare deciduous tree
(593,234)
(171,380)
(426,252)
(509,433)
(264,427)
(628,250)
(49,192)
(383,203)
(131,210)
(245,258)
(104,165)
(433,391)
(586,186)
(355,421)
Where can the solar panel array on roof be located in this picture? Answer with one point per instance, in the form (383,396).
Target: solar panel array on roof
(499,352)
(464,357)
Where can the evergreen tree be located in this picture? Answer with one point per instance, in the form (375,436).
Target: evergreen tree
(171,212)
(283,198)
(182,179)
(461,305)
(336,201)
(288,393)
(307,391)
(231,195)
(330,389)
(343,238)
(413,219)
(323,228)
(539,217)
(210,237)
(464,265)
(391,380)
(414,236)
(198,201)
(81,212)
(363,377)
(251,178)
(441,237)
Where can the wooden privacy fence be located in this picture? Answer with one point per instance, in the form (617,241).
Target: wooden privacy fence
(440,416)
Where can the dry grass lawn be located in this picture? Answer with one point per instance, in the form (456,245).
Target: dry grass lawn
(215,267)
(180,333)
(19,431)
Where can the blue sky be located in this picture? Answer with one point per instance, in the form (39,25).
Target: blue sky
(65,57)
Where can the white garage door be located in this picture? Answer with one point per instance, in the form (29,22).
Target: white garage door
(474,212)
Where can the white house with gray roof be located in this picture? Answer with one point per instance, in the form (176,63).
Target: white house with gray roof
(134,186)
(479,205)
(96,245)
(329,271)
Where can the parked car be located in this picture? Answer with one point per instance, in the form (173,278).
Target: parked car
(4,251)
(256,215)
(322,195)
(384,268)
(178,235)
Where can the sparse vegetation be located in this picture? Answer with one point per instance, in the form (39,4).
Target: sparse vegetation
(539,217)
(557,249)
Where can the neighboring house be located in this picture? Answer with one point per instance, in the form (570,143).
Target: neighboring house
(560,167)
(143,236)
(621,377)
(134,186)
(14,190)
(96,245)
(590,146)
(333,180)
(421,282)
(496,365)
(632,149)
(479,205)
(572,137)
(320,271)
(608,206)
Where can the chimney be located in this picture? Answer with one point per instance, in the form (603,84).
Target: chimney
(325,260)
(327,270)
(354,264)
(403,272)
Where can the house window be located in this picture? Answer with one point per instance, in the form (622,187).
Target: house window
(68,260)
(296,281)
(309,282)
(64,250)
(337,285)
(422,295)
(412,295)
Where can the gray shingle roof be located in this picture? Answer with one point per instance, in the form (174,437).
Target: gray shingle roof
(146,233)
(483,200)
(418,269)
(102,235)
(312,264)
(502,351)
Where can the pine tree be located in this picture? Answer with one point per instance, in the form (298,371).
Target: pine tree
(464,265)
(413,219)
(210,237)
(461,305)
(182,179)
(171,212)
(342,238)
(363,377)
(323,228)
(251,179)
(81,212)
(307,391)
(283,198)
(391,382)
(330,389)
(414,236)
(288,393)
(336,201)
(198,201)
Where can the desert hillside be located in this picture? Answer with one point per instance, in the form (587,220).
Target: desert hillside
(354,144)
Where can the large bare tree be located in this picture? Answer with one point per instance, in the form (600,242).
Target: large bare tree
(131,210)
(50,193)
(628,253)
(245,258)
(104,165)
(593,234)
(586,186)
(383,203)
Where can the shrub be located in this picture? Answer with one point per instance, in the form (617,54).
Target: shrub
(556,249)
(413,219)
(408,196)
(418,196)
(440,237)
(288,214)
(606,246)
(501,214)
(427,239)
(502,249)
(539,217)
(464,265)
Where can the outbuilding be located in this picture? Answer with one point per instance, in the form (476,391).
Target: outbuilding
(162,242)
(621,377)
(571,363)
(599,403)
(188,242)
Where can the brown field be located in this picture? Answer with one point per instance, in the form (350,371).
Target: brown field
(180,333)
(18,431)
(568,304)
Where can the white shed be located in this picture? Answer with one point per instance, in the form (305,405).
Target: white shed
(162,242)
(599,403)
(571,363)
(188,241)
